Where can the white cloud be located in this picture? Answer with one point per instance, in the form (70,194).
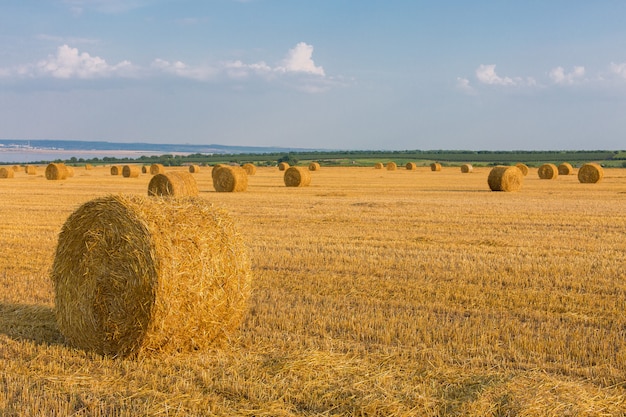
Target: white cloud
(463,84)
(69,63)
(299,59)
(618,69)
(559,76)
(180,69)
(486,74)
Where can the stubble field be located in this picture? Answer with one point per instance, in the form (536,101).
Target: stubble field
(375,293)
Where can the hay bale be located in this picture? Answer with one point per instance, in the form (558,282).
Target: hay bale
(215,168)
(56,171)
(378,165)
(30,169)
(548,172)
(17,168)
(175,183)
(7,172)
(391,166)
(229,179)
(131,171)
(505,178)
(88,167)
(157,169)
(523,168)
(70,171)
(145,169)
(194,169)
(116,170)
(249,168)
(590,173)
(297,177)
(411,166)
(283,166)
(435,166)
(565,169)
(135,275)
(314,166)
(466,168)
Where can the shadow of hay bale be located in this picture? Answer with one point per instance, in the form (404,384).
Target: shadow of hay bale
(35,323)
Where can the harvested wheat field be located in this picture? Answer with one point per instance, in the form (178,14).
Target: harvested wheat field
(374,293)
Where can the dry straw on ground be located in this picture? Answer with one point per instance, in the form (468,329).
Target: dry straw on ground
(505,178)
(297,177)
(590,173)
(30,169)
(175,183)
(56,171)
(194,169)
(435,166)
(565,169)
(467,168)
(136,275)
(131,171)
(378,165)
(283,166)
(116,170)
(548,172)
(249,168)
(7,172)
(391,166)
(157,169)
(228,179)
(523,168)
(314,166)
(411,166)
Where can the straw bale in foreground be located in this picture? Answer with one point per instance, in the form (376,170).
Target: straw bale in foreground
(565,169)
(249,168)
(466,168)
(229,179)
(56,171)
(548,172)
(157,169)
(411,166)
(505,178)
(7,172)
(131,171)
(391,166)
(283,166)
(175,183)
(523,168)
(136,275)
(435,166)
(590,173)
(314,166)
(297,177)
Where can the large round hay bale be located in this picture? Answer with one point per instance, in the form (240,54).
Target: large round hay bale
(590,173)
(17,168)
(194,169)
(157,169)
(314,166)
(297,177)
(466,168)
(283,166)
(391,166)
(505,178)
(435,166)
(174,183)
(229,179)
(565,169)
(30,169)
(136,275)
(249,168)
(7,172)
(116,170)
(215,168)
(523,168)
(131,171)
(548,172)
(56,171)
(378,165)
(411,166)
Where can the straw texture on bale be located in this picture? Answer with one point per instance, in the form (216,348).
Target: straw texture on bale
(548,172)
(7,172)
(505,178)
(229,179)
(314,166)
(30,169)
(157,169)
(16,168)
(590,173)
(435,166)
(175,183)
(378,165)
(194,169)
(144,169)
(116,170)
(215,168)
(467,168)
(249,168)
(283,166)
(70,171)
(411,166)
(565,169)
(297,177)
(135,275)
(391,166)
(523,168)
(56,171)
(131,171)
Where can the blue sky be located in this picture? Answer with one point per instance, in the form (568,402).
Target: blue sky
(335,74)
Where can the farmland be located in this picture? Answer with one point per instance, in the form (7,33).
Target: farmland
(375,293)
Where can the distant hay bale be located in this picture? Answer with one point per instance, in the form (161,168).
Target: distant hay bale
(131,171)
(505,178)
(230,179)
(116,170)
(249,168)
(17,168)
(194,169)
(7,172)
(173,184)
(411,166)
(391,166)
(88,167)
(70,171)
(548,172)
(435,166)
(30,169)
(466,168)
(157,169)
(135,276)
(314,166)
(283,166)
(590,173)
(565,169)
(523,168)
(378,165)
(56,171)
(297,177)
(145,169)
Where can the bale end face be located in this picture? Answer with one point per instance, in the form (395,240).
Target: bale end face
(548,172)
(505,178)
(229,179)
(297,177)
(173,184)
(590,173)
